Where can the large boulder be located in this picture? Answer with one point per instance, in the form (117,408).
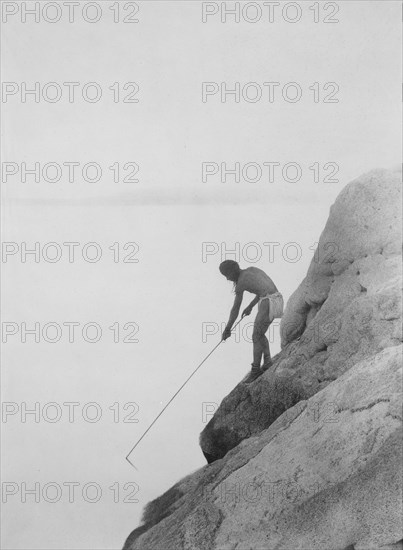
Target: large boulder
(325,474)
(309,455)
(347,308)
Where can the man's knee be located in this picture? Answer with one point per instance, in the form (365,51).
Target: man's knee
(259,332)
(257,336)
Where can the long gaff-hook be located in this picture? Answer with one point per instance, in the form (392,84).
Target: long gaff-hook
(175,394)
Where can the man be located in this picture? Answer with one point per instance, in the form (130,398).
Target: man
(270,307)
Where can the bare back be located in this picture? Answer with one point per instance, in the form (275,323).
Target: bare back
(255,281)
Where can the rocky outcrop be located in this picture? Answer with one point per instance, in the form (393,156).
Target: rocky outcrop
(347,308)
(325,474)
(309,455)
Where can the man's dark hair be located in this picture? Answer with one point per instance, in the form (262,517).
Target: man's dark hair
(230,268)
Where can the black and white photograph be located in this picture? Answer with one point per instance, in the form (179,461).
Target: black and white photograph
(201,275)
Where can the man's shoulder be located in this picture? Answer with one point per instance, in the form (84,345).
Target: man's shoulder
(245,277)
(239,287)
(253,270)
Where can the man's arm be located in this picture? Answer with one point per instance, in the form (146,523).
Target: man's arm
(233,315)
(235,310)
(248,310)
(254,302)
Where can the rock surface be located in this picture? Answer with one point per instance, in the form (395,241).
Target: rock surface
(347,308)
(309,456)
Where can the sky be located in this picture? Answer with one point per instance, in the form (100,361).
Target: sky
(143,255)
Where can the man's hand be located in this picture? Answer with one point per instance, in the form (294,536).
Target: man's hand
(247,311)
(226,334)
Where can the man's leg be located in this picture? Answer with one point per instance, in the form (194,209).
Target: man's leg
(267,362)
(258,349)
(262,323)
(260,342)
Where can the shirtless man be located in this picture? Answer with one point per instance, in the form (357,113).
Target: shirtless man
(270,307)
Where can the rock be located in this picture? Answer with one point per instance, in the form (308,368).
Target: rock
(325,474)
(347,308)
(309,455)
(361,234)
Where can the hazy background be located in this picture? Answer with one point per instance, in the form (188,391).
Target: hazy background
(171,291)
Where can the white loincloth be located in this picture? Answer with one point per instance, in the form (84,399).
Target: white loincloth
(276,305)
